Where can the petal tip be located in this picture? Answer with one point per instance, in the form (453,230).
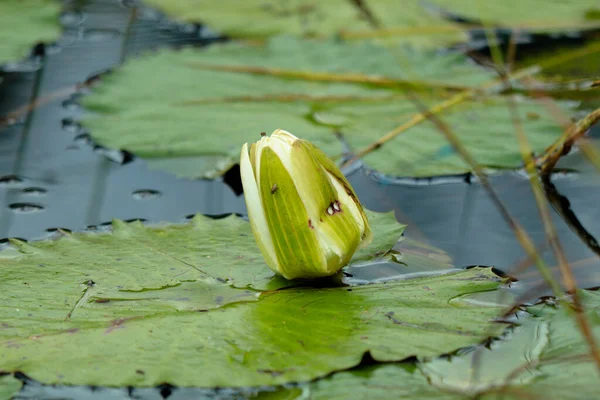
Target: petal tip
(284,135)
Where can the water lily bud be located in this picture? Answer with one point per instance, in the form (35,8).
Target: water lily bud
(305,216)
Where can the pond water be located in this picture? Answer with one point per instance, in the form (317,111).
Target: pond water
(52,176)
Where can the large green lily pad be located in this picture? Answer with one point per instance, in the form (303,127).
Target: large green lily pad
(25,22)
(147,305)
(203,252)
(194,119)
(317,18)
(545,358)
(483,370)
(412,21)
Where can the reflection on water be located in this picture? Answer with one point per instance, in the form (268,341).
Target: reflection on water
(459,219)
(51,175)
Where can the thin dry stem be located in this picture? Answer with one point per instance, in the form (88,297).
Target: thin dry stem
(329,77)
(519,232)
(526,366)
(416,119)
(562,206)
(526,152)
(26,108)
(550,230)
(489,87)
(511,52)
(363,8)
(438,29)
(287,98)
(590,151)
(563,145)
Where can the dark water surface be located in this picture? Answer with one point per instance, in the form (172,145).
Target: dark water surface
(52,176)
(459,218)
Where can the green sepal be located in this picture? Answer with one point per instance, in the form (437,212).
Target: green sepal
(339,233)
(299,254)
(330,167)
(311,180)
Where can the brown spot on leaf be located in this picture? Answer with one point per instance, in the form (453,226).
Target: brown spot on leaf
(310,224)
(274,188)
(116,324)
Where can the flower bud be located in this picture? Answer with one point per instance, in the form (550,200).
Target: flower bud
(305,216)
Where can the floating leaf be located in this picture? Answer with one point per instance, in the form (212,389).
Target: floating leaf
(566,366)
(415,21)
(405,381)
(565,64)
(208,103)
(546,358)
(147,305)
(482,370)
(24,23)
(9,386)
(529,15)
(409,21)
(202,251)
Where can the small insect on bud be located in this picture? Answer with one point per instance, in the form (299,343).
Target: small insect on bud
(315,223)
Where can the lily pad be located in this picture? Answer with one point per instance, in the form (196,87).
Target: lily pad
(414,21)
(404,380)
(9,386)
(208,103)
(317,18)
(483,370)
(24,23)
(579,66)
(185,258)
(544,358)
(530,15)
(146,305)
